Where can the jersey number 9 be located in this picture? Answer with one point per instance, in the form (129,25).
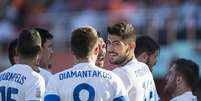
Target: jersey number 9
(83,86)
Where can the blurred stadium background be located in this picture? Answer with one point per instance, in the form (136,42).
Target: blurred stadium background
(175,24)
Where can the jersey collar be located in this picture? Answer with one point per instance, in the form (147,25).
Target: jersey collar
(23,66)
(83,64)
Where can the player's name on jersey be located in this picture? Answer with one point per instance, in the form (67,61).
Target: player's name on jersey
(16,77)
(84,74)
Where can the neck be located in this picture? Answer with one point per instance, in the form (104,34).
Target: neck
(180,91)
(87,59)
(29,61)
(130,57)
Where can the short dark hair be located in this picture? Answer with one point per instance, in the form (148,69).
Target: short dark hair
(124,30)
(189,70)
(83,40)
(44,34)
(12,51)
(29,43)
(146,44)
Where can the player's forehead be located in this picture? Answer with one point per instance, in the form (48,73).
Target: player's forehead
(113,38)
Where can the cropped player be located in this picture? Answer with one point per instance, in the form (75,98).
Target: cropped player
(47,48)
(147,50)
(85,81)
(135,75)
(102,53)
(181,78)
(14,59)
(12,52)
(46,53)
(20,82)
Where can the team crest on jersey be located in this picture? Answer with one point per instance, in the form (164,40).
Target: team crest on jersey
(38,93)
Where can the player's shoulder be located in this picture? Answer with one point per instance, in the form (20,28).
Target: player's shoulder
(30,74)
(45,72)
(113,76)
(136,63)
(35,76)
(141,64)
(57,75)
(132,68)
(6,70)
(187,96)
(102,69)
(13,68)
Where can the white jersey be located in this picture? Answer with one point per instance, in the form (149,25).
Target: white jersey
(187,96)
(21,83)
(138,81)
(85,82)
(45,74)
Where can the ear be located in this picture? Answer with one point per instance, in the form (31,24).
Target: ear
(97,49)
(179,80)
(143,57)
(132,45)
(38,57)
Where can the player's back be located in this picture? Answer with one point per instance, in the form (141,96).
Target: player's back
(138,81)
(21,83)
(86,82)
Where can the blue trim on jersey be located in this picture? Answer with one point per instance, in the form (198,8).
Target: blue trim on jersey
(121,98)
(32,100)
(52,97)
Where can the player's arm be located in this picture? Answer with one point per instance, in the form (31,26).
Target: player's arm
(35,92)
(51,90)
(120,90)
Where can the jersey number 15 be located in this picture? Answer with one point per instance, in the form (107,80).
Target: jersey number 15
(7,96)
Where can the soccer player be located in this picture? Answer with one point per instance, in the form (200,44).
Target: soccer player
(135,75)
(181,78)
(85,81)
(14,59)
(20,82)
(147,50)
(102,53)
